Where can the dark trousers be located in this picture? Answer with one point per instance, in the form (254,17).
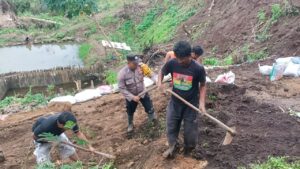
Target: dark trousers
(146,102)
(176,113)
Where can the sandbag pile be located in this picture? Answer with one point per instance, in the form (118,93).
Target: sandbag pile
(89,94)
(289,66)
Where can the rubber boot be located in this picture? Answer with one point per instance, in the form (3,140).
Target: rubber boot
(130,124)
(169,153)
(188,151)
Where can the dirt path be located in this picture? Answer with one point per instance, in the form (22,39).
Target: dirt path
(252,106)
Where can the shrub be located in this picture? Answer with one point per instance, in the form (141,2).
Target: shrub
(7,101)
(21,6)
(71,8)
(38,98)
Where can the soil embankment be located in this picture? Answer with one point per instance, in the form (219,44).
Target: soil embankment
(263,129)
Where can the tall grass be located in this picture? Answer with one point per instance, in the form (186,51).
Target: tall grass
(84,50)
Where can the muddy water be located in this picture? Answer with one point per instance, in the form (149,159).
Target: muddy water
(37,57)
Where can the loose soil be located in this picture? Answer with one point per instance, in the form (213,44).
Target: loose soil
(263,128)
(258,108)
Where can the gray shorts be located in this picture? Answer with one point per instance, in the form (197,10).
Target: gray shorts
(42,150)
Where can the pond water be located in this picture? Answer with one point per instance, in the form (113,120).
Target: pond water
(38,57)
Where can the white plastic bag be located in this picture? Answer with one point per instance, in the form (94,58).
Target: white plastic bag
(208,80)
(228,78)
(105,89)
(296,60)
(292,70)
(69,98)
(148,82)
(87,94)
(3,117)
(284,60)
(265,70)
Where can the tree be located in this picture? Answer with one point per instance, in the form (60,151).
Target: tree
(71,8)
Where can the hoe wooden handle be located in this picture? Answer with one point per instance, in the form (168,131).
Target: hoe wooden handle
(233,132)
(147,90)
(87,150)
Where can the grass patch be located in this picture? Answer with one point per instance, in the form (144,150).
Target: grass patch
(211,61)
(148,20)
(164,27)
(274,163)
(253,56)
(228,60)
(158,25)
(111,77)
(84,50)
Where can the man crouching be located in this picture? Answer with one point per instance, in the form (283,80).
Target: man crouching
(56,125)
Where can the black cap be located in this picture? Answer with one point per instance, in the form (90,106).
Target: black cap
(134,58)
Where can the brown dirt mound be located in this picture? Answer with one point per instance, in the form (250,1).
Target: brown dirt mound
(262,131)
(231,25)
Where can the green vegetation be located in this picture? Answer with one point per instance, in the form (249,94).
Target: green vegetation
(7,101)
(261,16)
(37,99)
(276,12)
(51,90)
(212,97)
(77,165)
(228,60)
(158,25)
(211,61)
(71,8)
(274,163)
(84,50)
(29,98)
(148,19)
(290,9)
(22,6)
(108,166)
(111,77)
(253,56)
